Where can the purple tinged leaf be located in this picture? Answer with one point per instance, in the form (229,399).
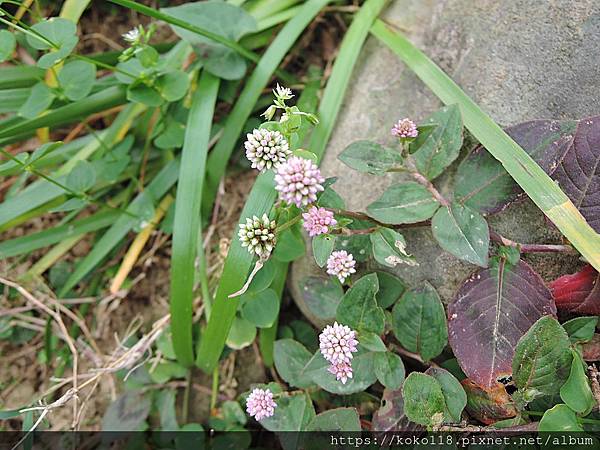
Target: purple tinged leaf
(390,416)
(490,313)
(488,405)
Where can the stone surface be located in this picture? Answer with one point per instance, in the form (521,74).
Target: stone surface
(519,59)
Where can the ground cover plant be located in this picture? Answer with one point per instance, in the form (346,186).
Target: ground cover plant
(155,195)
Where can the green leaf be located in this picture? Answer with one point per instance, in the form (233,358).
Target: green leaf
(165,403)
(322,246)
(54,57)
(439,148)
(424,401)
(264,278)
(321,295)
(338,419)
(581,329)
(372,342)
(7,44)
(408,202)
(290,359)
(363,373)
(370,157)
(40,99)
(261,309)
(173,85)
(389,248)
(82,177)
(293,413)
(70,205)
(146,95)
(331,199)
(576,392)
(560,418)
(76,79)
(463,232)
(542,360)
(290,246)
(389,370)
(391,289)
(166,371)
(56,30)
(241,334)
(223,19)
(454,395)
(9,414)
(233,412)
(358,308)
(419,322)
(127,413)
(172,136)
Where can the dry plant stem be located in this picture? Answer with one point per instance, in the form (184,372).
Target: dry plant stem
(531,248)
(421,179)
(528,427)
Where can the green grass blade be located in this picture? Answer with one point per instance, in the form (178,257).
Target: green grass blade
(12,99)
(262,196)
(146,10)
(186,224)
(159,186)
(217,161)
(542,190)
(34,241)
(20,76)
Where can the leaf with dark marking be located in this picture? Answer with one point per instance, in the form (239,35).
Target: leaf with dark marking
(390,415)
(490,313)
(488,405)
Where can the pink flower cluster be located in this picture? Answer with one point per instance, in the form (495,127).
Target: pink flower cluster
(405,128)
(318,221)
(298,181)
(337,343)
(260,404)
(341,264)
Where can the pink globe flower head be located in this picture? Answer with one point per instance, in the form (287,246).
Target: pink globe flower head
(405,128)
(318,221)
(266,149)
(341,264)
(298,181)
(342,371)
(337,343)
(260,404)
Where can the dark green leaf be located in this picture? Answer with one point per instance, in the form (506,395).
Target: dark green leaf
(370,157)
(241,334)
(166,371)
(363,374)
(290,246)
(70,205)
(419,322)
(173,85)
(423,399)
(454,394)
(293,413)
(261,309)
(581,329)
(576,391)
(389,370)
(438,149)
(82,177)
(146,95)
(321,295)
(542,360)
(389,248)
(322,246)
(390,289)
(76,79)
(339,419)
(372,342)
(358,308)
(263,279)
(463,232)
(408,202)
(331,199)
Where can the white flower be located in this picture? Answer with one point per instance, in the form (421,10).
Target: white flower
(266,149)
(132,36)
(258,235)
(282,93)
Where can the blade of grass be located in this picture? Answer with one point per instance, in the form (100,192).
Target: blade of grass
(217,161)
(20,76)
(542,190)
(51,257)
(186,223)
(45,238)
(262,196)
(159,186)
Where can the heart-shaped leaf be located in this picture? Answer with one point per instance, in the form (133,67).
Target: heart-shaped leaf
(439,148)
(358,308)
(462,232)
(408,202)
(370,157)
(490,313)
(488,405)
(419,322)
(579,292)
(483,184)
(542,360)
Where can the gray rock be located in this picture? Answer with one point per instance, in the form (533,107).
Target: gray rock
(518,59)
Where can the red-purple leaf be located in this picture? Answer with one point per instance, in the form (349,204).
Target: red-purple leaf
(482,182)
(578,171)
(390,416)
(488,405)
(490,313)
(579,292)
